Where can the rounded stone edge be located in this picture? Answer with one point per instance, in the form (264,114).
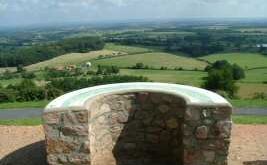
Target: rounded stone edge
(175,93)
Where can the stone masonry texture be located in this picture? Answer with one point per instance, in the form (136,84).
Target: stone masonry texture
(142,128)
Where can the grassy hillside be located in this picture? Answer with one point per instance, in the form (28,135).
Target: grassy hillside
(69,59)
(170,76)
(255,76)
(11,69)
(246,60)
(248,90)
(156,60)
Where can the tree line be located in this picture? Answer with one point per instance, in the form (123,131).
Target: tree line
(28,90)
(34,54)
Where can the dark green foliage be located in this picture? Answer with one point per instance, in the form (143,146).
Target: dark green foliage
(222,76)
(139,66)
(26,56)
(260,95)
(8,75)
(20,69)
(51,92)
(107,70)
(28,75)
(7,95)
(69,84)
(27,91)
(238,72)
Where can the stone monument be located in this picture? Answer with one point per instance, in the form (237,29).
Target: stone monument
(138,124)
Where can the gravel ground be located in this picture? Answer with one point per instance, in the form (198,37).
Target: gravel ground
(25,145)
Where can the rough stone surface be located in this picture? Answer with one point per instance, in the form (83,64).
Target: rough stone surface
(142,128)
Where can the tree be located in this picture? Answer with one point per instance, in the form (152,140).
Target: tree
(221,79)
(139,65)
(222,76)
(238,72)
(99,70)
(20,69)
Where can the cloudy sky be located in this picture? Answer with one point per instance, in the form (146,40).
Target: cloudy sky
(27,12)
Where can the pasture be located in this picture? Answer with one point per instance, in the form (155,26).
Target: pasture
(69,59)
(193,78)
(156,60)
(245,60)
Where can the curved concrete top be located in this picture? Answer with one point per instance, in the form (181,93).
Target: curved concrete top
(192,95)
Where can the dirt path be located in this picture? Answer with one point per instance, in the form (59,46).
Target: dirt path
(24,145)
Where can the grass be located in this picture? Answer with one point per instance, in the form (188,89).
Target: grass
(156,60)
(11,69)
(31,104)
(69,59)
(24,122)
(38,121)
(126,49)
(250,119)
(255,76)
(248,90)
(245,60)
(10,81)
(249,103)
(169,76)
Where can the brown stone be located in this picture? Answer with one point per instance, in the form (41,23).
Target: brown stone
(172,123)
(209,156)
(51,118)
(163,108)
(202,132)
(224,128)
(81,130)
(192,114)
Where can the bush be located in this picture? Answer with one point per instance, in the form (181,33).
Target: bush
(7,95)
(28,75)
(221,79)
(69,84)
(260,95)
(27,91)
(238,72)
(107,70)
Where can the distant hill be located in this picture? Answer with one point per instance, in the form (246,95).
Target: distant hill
(245,60)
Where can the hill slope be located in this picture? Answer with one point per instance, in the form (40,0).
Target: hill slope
(157,60)
(246,60)
(69,59)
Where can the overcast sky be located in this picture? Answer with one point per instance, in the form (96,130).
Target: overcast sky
(26,12)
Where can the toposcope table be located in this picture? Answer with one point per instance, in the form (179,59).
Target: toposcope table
(138,124)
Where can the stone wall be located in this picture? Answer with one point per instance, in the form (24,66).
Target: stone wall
(138,129)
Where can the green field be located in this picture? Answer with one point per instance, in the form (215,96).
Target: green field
(249,103)
(38,121)
(255,76)
(30,104)
(69,59)
(248,90)
(10,81)
(245,60)
(250,119)
(169,76)
(11,69)
(156,60)
(24,122)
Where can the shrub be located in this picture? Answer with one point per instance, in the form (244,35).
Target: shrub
(28,75)
(221,79)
